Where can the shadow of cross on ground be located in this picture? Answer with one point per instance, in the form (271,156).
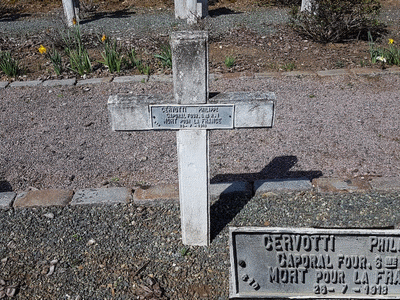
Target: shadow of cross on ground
(223,210)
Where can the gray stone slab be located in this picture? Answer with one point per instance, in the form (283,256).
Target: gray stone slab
(51,197)
(325,185)
(386,183)
(26,83)
(299,73)
(6,199)
(60,82)
(267,75)
(134,78)
(366,71)
(335,72)
(157,193)
(94,81)
(241,188)
(190,66)
(193,186)
(160,78)
(282,185)
(101,196)
(3,84)
(314,263)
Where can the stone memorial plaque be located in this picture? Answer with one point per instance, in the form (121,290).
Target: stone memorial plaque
(192,116)
(314,263)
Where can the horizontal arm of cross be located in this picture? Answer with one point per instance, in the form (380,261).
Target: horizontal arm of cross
(134,112)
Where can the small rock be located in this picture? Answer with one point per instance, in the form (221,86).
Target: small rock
(10,292)
(49,215)
(45,270)
(269,194)
(143,158)
(4,260)
(91,242)
(11,245)
(51,270)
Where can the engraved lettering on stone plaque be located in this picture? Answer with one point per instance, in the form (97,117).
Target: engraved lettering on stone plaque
(314,263)
(192,116)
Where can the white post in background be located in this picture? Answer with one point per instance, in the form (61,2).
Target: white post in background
(306,5)
(191,9)
(71,11)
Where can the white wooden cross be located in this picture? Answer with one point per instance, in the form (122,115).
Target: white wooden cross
(190,111)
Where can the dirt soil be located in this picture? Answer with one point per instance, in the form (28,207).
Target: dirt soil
(283,50)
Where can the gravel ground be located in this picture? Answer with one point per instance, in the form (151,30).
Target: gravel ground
(131,252)
(61,137)
(158,23)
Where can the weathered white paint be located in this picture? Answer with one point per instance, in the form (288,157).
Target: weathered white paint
(71,11)
(193,186)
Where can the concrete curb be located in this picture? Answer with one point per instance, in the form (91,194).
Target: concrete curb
(168,78)
(62,82)
(3,84)
(170,193)
(94,81)
(25,83)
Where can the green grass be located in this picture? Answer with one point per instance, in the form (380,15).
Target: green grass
(165,56)
(112,56)
(76,51)
(229,61)
(9,65)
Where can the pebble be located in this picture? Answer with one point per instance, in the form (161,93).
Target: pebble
(51,270)
(49,215)
(91,242)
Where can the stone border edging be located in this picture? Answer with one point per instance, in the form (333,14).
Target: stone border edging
(214,76)
(164,193)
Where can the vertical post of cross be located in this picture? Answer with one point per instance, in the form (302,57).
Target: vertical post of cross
(190,76)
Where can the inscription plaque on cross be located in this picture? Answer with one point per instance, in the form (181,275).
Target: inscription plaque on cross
(193,114)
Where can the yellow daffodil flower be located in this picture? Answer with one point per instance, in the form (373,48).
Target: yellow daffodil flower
(74,21)
(103,38)
(42,49)
(391,41)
